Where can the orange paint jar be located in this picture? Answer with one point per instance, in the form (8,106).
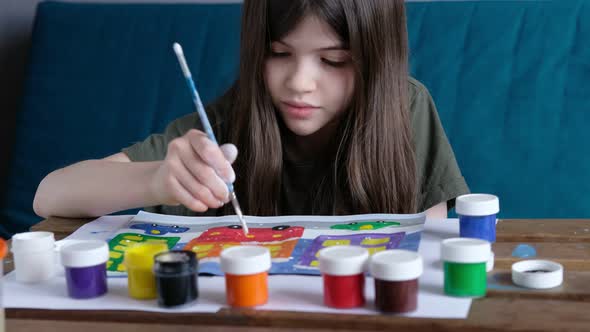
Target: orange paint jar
(246,275)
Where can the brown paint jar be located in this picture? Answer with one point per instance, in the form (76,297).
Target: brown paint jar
(396,274)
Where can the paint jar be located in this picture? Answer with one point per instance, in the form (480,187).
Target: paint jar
(34,256)
(176,274)
(477,216)
(3,250)
(85,265)
(465,261)
(343,271)
(139,263)
(396,274)
(246,275)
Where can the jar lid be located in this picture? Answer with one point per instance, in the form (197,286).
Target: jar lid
(32,242)
(396,265)
(465,250)
(84,253)
(343,260)
(477,205)
(175,262)
(537,273)
(245,260)
(142,254)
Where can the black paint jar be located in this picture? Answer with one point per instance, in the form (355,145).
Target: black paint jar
(176,275)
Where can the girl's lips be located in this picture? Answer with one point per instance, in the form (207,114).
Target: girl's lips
(297,110)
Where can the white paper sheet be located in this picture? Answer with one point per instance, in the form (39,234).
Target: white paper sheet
(290,292)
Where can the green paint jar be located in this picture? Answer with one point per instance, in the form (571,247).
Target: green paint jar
(464,261)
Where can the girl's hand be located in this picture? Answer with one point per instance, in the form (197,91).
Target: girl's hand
(195,172)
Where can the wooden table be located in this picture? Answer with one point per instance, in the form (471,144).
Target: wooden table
(505,308)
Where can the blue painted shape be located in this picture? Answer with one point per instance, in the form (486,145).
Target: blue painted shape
(524,251)
(479,227)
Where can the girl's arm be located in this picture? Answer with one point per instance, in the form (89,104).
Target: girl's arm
(439,211)
(194,173)
(96,187)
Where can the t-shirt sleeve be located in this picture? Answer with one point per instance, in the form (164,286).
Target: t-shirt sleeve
(155,146)
(439,176)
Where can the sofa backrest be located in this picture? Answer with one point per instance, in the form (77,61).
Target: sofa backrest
(510,79)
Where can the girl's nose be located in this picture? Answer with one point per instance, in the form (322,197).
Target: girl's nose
(301,78)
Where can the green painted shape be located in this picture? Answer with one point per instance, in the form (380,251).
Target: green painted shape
(356,226)
(170,241)
(465,279)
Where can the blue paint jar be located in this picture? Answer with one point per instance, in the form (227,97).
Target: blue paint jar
(477,216)
(85,264)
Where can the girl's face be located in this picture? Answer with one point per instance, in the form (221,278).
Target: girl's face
(310,76)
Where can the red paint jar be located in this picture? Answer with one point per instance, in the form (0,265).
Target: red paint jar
(396,274)
(343,269)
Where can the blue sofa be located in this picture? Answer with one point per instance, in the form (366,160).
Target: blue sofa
(510,79)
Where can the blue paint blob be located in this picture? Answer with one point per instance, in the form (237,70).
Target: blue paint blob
(524,251)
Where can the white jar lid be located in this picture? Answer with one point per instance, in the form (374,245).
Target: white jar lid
(537,274)
(343,260)
(84,253)
(32,242)
(396,265)
(465,250)
(245,260)
(477,205)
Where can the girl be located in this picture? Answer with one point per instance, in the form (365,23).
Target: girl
(323,114)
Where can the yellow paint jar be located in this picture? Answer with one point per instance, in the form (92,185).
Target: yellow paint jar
(139,263)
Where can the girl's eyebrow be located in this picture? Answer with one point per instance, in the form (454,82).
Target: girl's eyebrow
(336,47)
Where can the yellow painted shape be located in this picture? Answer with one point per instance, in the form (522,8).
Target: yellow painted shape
(274,248)
(202,254)
(121,268)
(215,233)
(373,242)
(202,247)
(366,227)
(250,236)
(155,231)
(115,255)
(156,241)
(109,264)
(329,243)
(314,263)
(120,248)
(277,235)
(133,237)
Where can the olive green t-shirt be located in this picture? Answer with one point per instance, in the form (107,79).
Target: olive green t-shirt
(439,177)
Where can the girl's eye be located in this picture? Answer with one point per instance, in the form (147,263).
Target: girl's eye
(278,54)
(334,63)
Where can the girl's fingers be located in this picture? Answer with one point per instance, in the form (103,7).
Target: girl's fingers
(205,175)
(211,154)
(191,184)
(230,152)
(185,198)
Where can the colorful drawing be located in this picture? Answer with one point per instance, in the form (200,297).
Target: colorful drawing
(156,229)
(121,242)
(280,240)
(365,225)
(373,242)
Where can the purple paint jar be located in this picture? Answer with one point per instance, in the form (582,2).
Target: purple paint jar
(396,274)
(85,268)
(477,216)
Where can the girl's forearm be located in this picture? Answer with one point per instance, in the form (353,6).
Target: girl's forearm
(95,188)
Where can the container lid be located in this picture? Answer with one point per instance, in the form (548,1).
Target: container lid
(537,274)
(33,242)
(477,205)
(84,253)
(142,254)
(175,262)
(465,250)
(343,260)
(396,265)
(3,248)
(245,260)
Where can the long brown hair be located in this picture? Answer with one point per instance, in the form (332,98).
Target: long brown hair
(374,167)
